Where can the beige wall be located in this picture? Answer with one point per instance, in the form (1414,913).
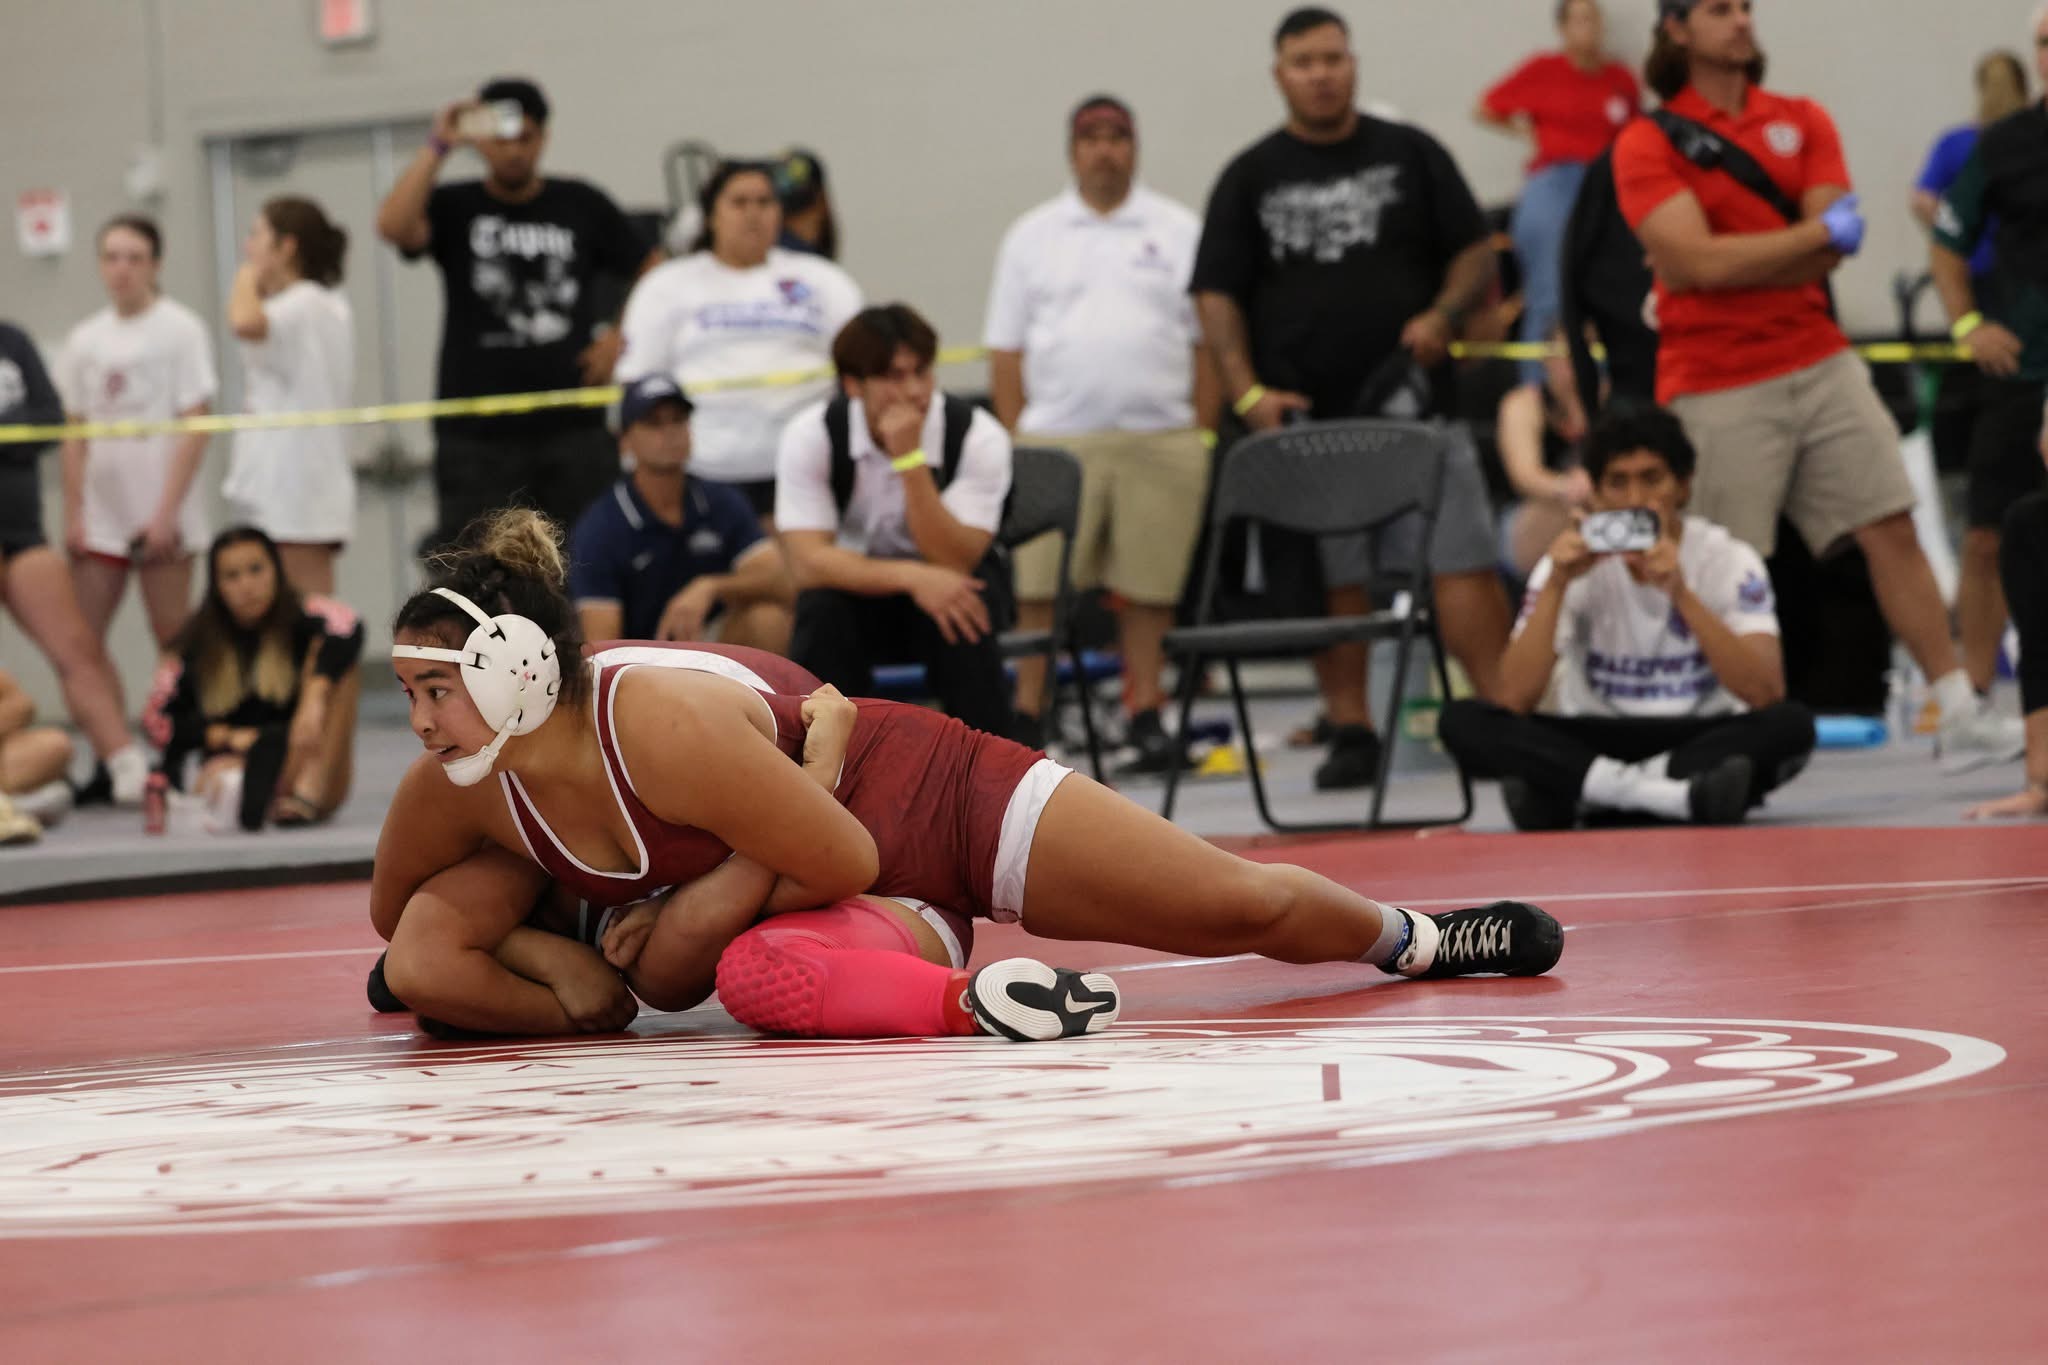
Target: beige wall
(939,119)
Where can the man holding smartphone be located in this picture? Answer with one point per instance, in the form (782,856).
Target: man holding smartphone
(1645,674)
(518,254)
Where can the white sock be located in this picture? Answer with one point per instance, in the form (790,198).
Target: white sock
(1954,695)
(1637,786)
(129,770)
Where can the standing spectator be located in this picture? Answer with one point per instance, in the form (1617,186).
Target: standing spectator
(1569,105)
(887,500)
(735,307)
(35,583)
(1658,674)
(132,502)
(1783,413)
(299,354)
(1330,247)
(266,694)
(808,223)
(1998,202)
(1093,346)
(2024,556)
(669,556)
(518,254)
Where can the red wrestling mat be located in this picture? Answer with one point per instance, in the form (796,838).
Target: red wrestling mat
(1783,1099)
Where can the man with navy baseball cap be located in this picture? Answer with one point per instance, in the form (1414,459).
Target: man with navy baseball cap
(666,556)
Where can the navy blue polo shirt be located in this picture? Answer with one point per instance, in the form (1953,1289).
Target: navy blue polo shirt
(621,552)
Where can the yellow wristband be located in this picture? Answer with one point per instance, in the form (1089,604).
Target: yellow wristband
(1208,438)
(1966,324)
(1249,400)
(903,464)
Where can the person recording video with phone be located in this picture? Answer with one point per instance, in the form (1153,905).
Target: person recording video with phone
(519,253)
(1645,675)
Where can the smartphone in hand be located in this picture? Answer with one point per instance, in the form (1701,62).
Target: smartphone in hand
(1625,531)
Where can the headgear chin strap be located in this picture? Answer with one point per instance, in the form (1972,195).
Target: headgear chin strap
(512,673)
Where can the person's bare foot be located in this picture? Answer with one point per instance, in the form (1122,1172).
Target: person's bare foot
(627,934)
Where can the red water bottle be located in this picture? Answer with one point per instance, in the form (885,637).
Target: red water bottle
(155,803)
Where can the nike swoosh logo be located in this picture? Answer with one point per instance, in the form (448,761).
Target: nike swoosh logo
(1074,1006)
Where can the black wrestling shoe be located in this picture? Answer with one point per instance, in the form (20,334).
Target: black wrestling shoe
(1534,810)
(381,998)
(1026,1001)
(1506,938)
(1354,760)
(1158,752)
(1720,795)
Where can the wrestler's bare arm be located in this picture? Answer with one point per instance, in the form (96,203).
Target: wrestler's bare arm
(427,829)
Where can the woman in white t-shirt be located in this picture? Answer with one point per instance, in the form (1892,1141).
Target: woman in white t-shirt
(736,307)
(298,355)
(133,501)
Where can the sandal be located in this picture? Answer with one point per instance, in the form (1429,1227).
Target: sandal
(292,811)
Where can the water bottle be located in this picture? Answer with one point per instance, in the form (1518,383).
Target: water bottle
(156,796)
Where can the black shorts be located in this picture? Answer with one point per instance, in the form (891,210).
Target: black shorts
(760,495)
(21,507)
(2005,449)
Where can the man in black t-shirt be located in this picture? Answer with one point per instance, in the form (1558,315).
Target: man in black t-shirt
(1329,248)
(519,254)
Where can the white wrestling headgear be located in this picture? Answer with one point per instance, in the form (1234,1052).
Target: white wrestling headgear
(512,673)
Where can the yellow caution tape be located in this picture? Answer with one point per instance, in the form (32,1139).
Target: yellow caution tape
(490,405)
(1877,353)
(512,404)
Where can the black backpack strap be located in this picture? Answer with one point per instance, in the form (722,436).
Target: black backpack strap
(959,416)
(1709,151)
(838,431)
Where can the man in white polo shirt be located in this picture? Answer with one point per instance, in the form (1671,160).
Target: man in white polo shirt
(887,500)
(1094,347)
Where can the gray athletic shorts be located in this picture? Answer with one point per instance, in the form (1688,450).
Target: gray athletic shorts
(1465,541)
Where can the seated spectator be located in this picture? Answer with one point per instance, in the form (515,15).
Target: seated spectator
(33,792)
(267,691)
(2023,552)
(1648,682)
(672,557)
(887,500)
(1538,428)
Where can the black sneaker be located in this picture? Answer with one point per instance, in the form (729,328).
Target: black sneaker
(381,998)
(1314,736)
(1506,938)
(1158,752)
(98,789)
(1720,795)
(1026,1001)
(1534,810)
(1354,759)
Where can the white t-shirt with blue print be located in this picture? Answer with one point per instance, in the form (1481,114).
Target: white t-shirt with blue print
(1623,650)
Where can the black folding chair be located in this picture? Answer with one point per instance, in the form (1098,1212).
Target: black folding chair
(1045,496)
(1322,478)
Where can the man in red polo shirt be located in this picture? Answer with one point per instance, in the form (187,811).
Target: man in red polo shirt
(1782,411)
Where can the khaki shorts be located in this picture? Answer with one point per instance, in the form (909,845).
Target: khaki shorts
(1816,446)
(1142,497)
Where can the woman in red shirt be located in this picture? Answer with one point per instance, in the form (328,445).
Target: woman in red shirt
(1570,105)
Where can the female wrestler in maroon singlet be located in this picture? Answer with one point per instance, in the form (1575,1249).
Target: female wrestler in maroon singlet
(656,768)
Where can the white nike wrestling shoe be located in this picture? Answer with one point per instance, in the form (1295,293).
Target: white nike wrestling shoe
(1026,1001)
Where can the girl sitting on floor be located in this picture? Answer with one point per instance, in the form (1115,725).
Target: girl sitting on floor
(267,693)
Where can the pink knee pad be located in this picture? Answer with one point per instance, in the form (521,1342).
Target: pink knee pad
(850,971)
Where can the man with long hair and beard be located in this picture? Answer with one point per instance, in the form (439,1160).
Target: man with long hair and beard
(1743,204)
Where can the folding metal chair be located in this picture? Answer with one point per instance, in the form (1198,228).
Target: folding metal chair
(1045,496)
(1322,478)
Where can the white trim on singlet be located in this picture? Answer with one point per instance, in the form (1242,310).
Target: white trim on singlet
(702,661)
(512,805)
(632,827)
